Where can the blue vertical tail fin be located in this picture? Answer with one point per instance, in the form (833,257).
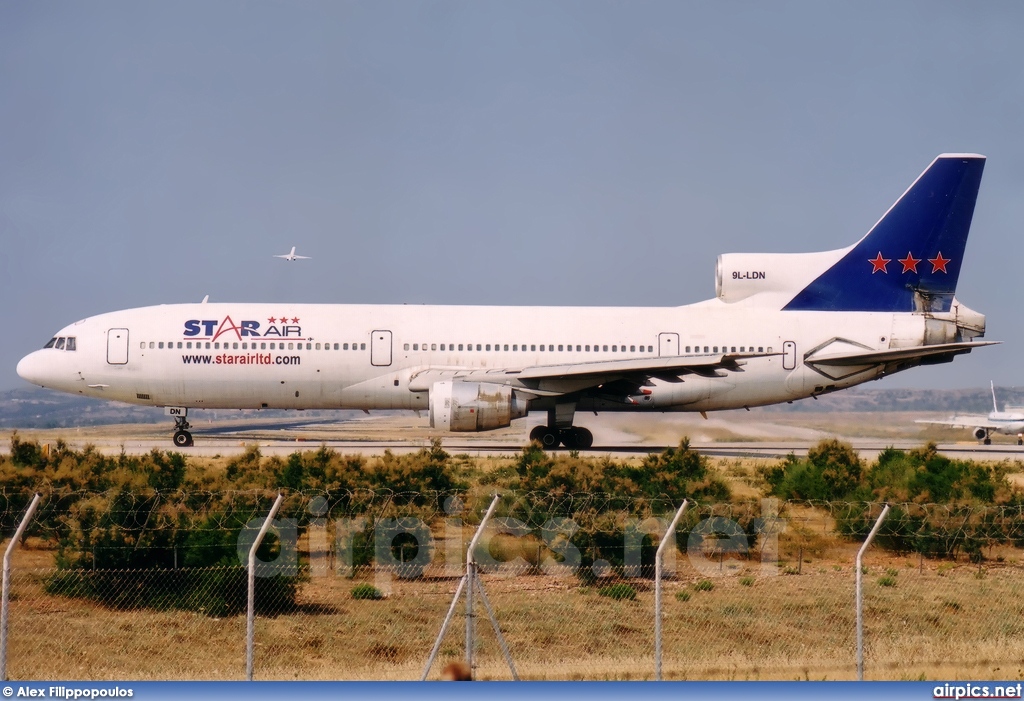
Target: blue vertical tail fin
(910,260)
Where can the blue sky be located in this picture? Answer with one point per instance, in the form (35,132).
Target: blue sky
(562,153)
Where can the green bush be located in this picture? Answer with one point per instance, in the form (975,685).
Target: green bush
(704,585)
(618,592)
(887,581)
(832,470)
(747,581)
(366,591)
(682,595)
(214,591)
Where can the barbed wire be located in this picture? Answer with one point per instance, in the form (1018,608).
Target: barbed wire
(127,517)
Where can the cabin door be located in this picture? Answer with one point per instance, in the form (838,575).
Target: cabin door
(380,348)
(788,355)
(117,346)
(668,345)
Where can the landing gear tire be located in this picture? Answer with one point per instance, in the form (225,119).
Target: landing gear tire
(987,441)
(537,432)
(549,438)
(1020,441)
(577,438)
(182,439)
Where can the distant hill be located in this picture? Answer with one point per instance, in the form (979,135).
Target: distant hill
(40,408)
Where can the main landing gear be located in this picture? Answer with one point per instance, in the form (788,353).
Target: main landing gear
(573,438)
(560,430)
(182,438)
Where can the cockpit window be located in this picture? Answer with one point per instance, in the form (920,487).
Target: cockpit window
(60,343)
(50,343)
(71,344)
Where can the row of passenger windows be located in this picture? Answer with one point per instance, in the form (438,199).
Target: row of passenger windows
(245,345)
(729,349)
(615,348)
(67,343)
(526,347)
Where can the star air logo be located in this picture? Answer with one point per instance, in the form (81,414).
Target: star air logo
(879,264)
(213,329)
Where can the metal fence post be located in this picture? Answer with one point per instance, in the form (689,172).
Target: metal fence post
(250,623)
(7,583)
(860,594)
(470,579)
(670,536)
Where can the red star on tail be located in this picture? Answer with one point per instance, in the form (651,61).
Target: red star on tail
(938,263)
(910,263)
(879,263)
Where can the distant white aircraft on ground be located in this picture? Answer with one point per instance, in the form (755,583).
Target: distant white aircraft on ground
(291,256)
(1010,421)
(781,327)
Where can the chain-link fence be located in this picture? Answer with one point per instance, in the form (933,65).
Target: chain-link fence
(356,586)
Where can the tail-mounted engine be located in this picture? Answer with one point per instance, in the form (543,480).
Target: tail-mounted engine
(473,406)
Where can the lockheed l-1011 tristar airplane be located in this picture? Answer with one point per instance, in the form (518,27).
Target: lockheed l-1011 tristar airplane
(1009,421)
(781,327)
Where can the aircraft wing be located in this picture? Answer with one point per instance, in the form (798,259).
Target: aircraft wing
(552,380)
(964,421)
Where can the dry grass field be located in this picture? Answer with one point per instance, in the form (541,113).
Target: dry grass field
(947,621)
(790,619)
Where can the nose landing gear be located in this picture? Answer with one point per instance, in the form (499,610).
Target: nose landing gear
(182,438)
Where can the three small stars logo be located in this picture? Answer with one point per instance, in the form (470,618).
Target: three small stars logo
(910,263)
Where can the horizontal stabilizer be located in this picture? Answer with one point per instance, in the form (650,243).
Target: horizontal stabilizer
(874,357)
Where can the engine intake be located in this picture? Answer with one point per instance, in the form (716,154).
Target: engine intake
(473,406)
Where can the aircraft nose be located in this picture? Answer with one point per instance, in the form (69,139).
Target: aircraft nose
(31,368)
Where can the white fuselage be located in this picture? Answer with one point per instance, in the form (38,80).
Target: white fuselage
(320,356)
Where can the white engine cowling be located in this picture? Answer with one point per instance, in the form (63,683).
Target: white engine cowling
(473,406)
(980,433)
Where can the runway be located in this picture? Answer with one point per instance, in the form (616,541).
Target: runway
(867,449)
(729,434)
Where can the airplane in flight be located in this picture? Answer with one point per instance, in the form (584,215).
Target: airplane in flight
(291,256)
(1010,421)
(781,327)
